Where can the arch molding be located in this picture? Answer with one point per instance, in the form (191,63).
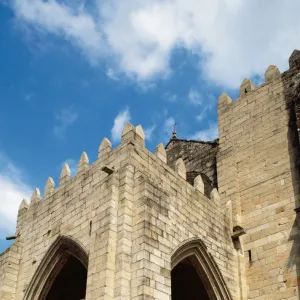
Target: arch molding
(196,253)
(52,263)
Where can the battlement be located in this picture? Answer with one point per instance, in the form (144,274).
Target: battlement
(248,89)
(109,161)
(119,208)
(136,137)
(133,218)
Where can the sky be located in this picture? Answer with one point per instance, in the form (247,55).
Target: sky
(73,72)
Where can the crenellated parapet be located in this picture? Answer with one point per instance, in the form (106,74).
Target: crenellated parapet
(49,187)
(258,168)
(65,174)
(105,207)
(161,153)
(131,212)
(83,163)
(104,148)
(180,168)
(271,73)
(36,196)
(132,136)
(247,87)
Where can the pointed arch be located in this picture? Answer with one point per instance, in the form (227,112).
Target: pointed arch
(195,252)
(57,255)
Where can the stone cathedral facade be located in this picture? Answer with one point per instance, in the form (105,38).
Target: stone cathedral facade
(195,220)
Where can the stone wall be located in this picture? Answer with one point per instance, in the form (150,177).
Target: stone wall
(175,212)
(256,174)
(9,268)
(128,211)
(199,158)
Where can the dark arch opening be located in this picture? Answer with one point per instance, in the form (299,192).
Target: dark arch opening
(186,283)
(200,262)
(70,283)
(62,273)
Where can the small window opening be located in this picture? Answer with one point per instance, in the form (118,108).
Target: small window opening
(90,231)
(250,255)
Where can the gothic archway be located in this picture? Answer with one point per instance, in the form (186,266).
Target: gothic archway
(65,262)
(195,270)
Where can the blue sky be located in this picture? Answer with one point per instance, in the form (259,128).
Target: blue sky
(73,72)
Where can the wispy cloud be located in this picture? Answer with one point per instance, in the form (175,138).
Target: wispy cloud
(204,111)
(110,73)
(149,132)
(208,134)
(119,122)
(194,97)
(140,36)
(28,97)
(171,97)
(65,118)
(13,189)
(72,23)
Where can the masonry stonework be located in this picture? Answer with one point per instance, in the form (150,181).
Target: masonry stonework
(130,222)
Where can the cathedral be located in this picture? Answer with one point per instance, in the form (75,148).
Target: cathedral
(194,220)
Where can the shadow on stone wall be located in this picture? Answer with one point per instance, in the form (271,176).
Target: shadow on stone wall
(291,80)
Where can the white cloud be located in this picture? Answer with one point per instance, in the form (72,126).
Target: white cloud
(119,122)
(12,190)
(200,117)
(194,97)
(233,38)
(204,109)
(110,73)
(205,135)
(66,117)
(73,24)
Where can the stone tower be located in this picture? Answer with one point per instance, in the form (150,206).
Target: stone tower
(195,220)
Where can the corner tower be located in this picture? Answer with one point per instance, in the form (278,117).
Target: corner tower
(258,176)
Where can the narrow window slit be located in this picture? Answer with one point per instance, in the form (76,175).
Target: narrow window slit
(250,255)
(90,231)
